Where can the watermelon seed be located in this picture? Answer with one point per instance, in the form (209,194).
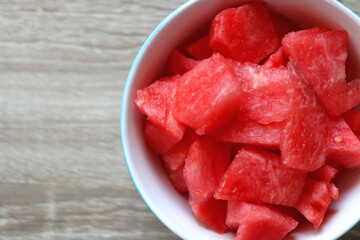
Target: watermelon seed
(337,139)
(234,190)
(223,184)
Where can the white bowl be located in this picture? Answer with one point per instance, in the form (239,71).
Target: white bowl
(145,168)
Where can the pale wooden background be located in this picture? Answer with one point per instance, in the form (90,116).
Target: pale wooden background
(63,65)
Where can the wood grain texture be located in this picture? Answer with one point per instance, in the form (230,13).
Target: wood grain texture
(63,65)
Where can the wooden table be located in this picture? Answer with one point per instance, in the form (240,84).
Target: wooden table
(63,67)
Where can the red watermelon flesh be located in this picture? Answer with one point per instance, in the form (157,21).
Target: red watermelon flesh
(245,34)
(265,99)
(314,201)
(156,102)
(258,221)
(177,179)
(303,141)
(179,64)
(210,211)
(208,95)
(156,99)
(344,146)
(252,133)
(321,57)
(160,139)
(326,172)
(258,176)
(200,49)
(353,119)
(276,59)
(175,157)
(205,164)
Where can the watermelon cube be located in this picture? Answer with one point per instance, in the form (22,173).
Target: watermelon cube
(175,157)
(205,164)
(160,139)
(258,176)
(245,34)
(265,99)
(250,132)
(179,64)
(174,160)
(208,95)
(258,221)
(321,57)
(315,200)
(343,144)
(200,49)
(210,211)
(303,141)
(162,130)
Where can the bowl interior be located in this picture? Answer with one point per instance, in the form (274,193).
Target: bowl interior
(145,168)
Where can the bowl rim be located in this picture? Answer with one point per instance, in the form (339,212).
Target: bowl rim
(129,80)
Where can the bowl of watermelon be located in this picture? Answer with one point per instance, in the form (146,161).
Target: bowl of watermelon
(241,120)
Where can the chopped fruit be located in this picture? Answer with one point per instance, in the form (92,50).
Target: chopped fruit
(207,96)
(245,34)
(344,145)
(258,176)
(315,200)
(258,221)
(321,57)
(303,142)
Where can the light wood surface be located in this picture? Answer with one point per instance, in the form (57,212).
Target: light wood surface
(63,65)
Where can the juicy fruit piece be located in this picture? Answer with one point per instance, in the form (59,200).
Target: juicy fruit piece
(276,59)
(208,95)
(156,102)
(353,119)
(175,157)
(179,64)
(258,176)
(314,201)
(303,141)
(255,221)
(174,160)
(321,56)
(264,99)
(205,164)
(251,133)
(160,139)
(344,146)
(210,211)
(200,49)
(245,34)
